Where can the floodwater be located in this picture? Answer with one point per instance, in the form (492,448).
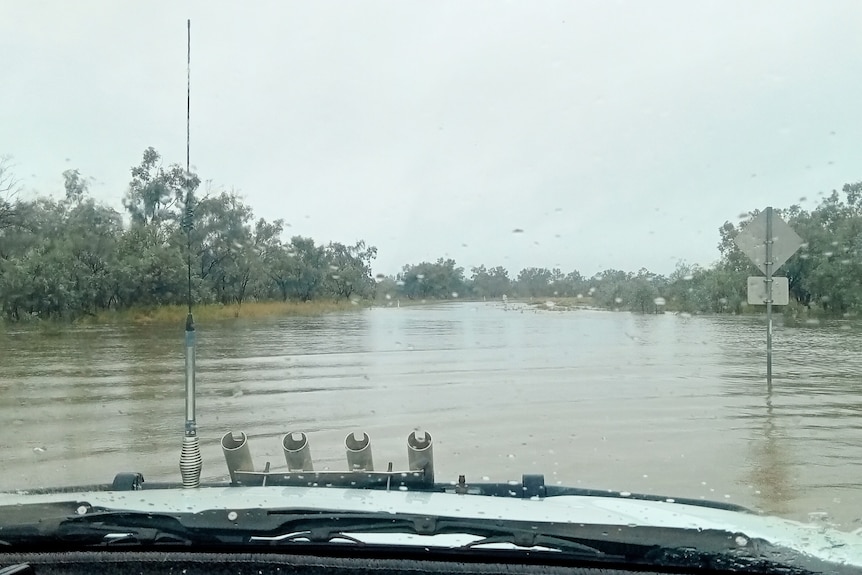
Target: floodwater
(663,404)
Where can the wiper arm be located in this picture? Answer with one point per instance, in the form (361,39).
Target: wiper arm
(103,528)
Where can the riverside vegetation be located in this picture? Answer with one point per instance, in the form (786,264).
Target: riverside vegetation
(75,257)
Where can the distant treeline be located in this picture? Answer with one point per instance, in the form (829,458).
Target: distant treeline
(74,257)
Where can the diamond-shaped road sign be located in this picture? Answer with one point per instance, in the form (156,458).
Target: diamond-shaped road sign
(752,241)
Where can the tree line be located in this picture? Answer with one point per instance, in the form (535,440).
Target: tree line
(75,256)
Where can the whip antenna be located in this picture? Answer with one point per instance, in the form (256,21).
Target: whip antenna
(191,462)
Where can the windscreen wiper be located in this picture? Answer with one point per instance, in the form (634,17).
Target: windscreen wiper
(297,529)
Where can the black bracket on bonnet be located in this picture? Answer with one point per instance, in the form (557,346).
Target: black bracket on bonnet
(533,485)
(128,482)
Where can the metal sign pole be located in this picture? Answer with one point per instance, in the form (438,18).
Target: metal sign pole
(769,296)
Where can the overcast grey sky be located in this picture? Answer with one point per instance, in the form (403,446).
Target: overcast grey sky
(615,134)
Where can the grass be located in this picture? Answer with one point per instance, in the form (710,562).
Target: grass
(214,312)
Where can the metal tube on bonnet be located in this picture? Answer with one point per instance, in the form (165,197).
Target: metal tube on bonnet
(420,454)
(358,452)
(297,453)
(236,453)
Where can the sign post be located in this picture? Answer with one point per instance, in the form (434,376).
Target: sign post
(769,242)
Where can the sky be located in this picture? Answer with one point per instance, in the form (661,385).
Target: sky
(609,134)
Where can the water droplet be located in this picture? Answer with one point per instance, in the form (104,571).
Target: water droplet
(379,278)
(511,456)
(420,276)
(659,301)
(689,277)
(618,300)
(549,304)
(625,494)
(81,510)
(827,254)
(388,296)
(486,478)
(232,516)
(454,294)
(517,231)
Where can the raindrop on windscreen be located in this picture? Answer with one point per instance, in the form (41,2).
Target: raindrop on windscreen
(741,540)
(689,277)
(549,304)
(379,278)
(625,494)
(388,296)
(399,283)
(232,516)
(82,510)
(659,301)
(618,300)
(454,294)
(420,276)
(580,296)
(336,276)
(827,254)
(517,231)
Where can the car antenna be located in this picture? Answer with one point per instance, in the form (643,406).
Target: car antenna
(190,457)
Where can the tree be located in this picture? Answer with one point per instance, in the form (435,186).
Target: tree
(156,194)
(494,283)
(349,271)
(443,279)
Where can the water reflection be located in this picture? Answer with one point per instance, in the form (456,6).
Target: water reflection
(650,403)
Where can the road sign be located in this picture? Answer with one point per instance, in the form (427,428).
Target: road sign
(769,242)
(752,241)
(758,292)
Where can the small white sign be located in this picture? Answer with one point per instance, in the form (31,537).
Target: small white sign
(757,290)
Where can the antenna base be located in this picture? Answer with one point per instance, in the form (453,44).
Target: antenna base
(191,462)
